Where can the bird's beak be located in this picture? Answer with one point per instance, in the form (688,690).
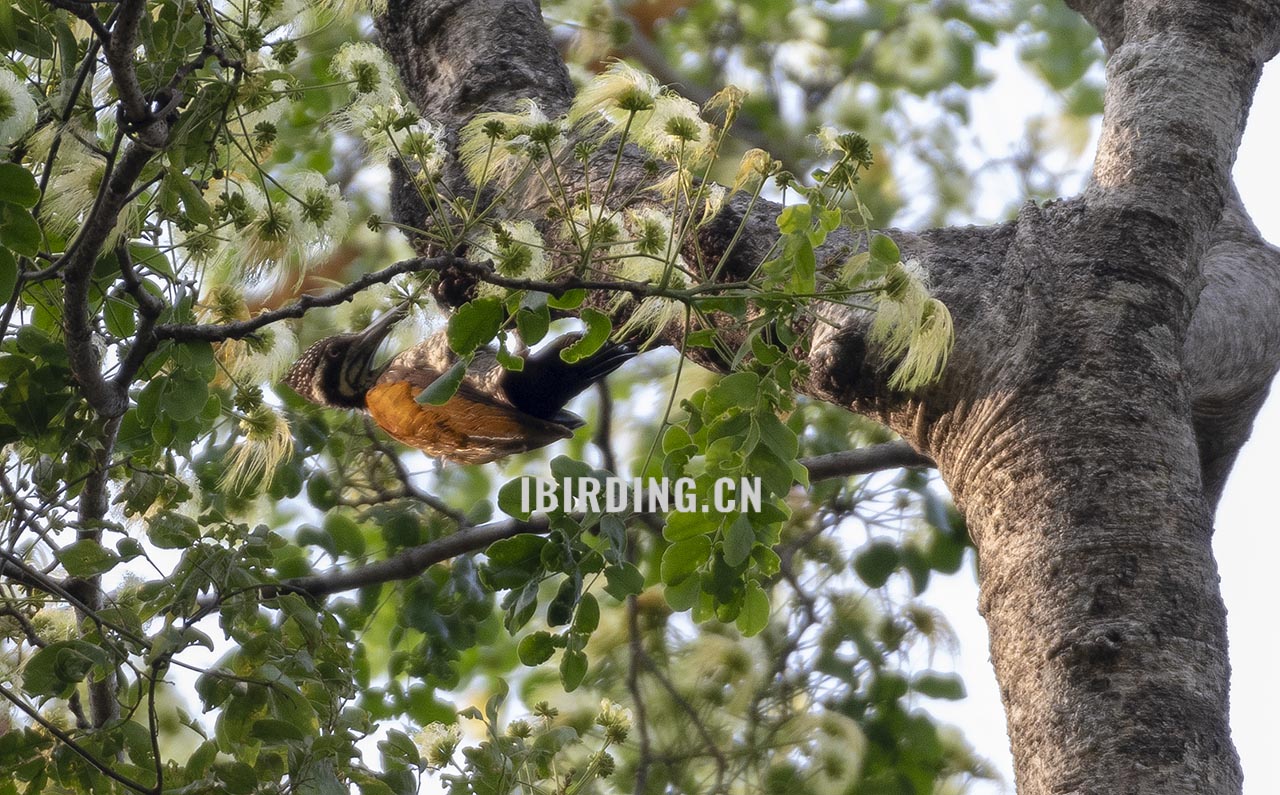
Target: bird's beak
(369,339)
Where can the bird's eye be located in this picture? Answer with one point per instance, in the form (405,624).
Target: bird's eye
(332,353)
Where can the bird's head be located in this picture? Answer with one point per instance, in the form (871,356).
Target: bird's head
(338,370)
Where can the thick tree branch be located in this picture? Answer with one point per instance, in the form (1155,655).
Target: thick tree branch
(864,460)
(108,399)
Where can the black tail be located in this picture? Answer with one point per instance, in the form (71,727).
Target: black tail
(547,382)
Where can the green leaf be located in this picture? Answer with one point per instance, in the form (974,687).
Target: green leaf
(119,316)
(509,360)
(623,580)
(683,558)
(8,275)
(876,562)
(446,386)
(738,390)
(474,324)
(755,611)
(778,437)
(682,525)
(320,491)
(86,558)
(513,561)
(345,534)
(884,250)
(573,667)
(936,685)
(560,609)
(129,548)
(201,759)
(685,595)
(596,335)
(587,618)
(736,306)
(944,552)
(775,474)
(184,397)
(572,299)
(676,438)
(536,648)
(794,219)
(56,668)
(399,749)
(18,185)
(273,730)
(738,541)
(804,267)
(511,497)
(237,777)
(533,323)
(172,530)
(192,199)
(18,230)
(38,342)
(829,220)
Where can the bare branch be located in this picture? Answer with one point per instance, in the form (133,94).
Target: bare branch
(481,271)
(149,309)
(864,460)
(244,328)
(413,561)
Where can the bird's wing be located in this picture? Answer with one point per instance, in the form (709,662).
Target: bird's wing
(474,426)
(423,363)
(463,429)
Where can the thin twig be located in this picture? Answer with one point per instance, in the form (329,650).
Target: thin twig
(410,562)
(217,332)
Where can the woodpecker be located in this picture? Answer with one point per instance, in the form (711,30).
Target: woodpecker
(495,412)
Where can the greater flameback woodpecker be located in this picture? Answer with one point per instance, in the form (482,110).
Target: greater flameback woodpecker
(495,412)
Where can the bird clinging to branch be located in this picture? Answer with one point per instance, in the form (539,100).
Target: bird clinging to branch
(494,413)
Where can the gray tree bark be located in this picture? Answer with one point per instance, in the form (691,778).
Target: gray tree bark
(1111,352)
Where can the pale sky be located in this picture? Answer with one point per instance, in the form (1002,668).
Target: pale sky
(1246,543)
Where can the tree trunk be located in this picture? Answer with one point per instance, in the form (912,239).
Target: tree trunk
(1097,394)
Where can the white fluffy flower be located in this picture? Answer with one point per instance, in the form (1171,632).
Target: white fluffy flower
(517,250)
(438,742)
(380,122)
(651,256)
(322,213)
(615,94)
(421,147)
(674,128)
(366,67)
(264,442)
(493,143)
(17,108)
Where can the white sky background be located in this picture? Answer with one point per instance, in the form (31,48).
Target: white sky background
(1247,543)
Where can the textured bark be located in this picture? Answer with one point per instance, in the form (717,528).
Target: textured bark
(1086,331)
